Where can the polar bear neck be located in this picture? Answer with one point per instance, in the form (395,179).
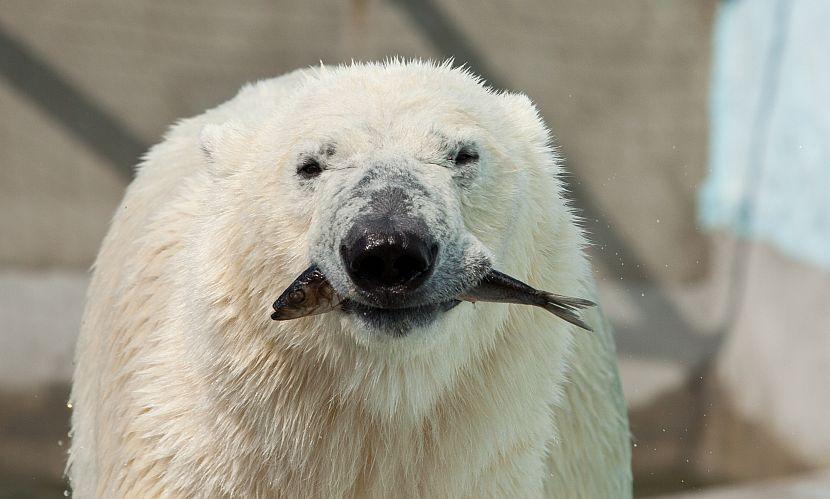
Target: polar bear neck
(318,427)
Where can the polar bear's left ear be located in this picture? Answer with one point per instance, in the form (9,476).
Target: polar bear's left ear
(520,101)
(222,144)
(525,116)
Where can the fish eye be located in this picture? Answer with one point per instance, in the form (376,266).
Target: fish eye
(309,168)
(465,155)
(296,296)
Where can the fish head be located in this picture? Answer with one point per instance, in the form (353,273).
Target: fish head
(295,302)
(309,294)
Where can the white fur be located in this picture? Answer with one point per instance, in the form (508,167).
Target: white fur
(185,388)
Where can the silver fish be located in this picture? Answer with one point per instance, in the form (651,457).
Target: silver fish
(311,294)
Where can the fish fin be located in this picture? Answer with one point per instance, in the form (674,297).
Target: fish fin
(566,314)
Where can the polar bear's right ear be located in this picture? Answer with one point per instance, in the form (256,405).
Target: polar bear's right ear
(221,145)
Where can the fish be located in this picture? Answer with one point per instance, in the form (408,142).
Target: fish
(312,294)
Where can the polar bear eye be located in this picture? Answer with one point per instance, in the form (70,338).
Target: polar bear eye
(309,168)
(465,155)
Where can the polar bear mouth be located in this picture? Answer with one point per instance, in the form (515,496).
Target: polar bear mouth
(397,320)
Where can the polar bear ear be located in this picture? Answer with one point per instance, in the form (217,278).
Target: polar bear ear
(518,100)
(221,144)
(525,116)
(522,109)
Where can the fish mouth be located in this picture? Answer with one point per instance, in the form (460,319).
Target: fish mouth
(397,321)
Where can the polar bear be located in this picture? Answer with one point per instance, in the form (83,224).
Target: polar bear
(185,388)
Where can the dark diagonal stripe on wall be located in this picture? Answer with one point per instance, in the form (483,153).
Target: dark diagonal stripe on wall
(439,29)
(66,104)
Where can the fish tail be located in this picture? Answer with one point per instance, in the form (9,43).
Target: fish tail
(567,301)
(567,314)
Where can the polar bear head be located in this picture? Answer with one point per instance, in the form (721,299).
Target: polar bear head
(403,182)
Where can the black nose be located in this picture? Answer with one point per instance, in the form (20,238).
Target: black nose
(385,256)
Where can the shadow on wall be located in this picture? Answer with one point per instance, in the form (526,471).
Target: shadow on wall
(33,442)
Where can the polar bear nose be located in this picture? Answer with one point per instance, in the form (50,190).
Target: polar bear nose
(382,256)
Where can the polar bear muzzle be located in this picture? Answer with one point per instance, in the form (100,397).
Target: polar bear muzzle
(391,241)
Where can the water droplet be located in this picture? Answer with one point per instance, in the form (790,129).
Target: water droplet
(69,405)
(642,294)
(65,493)
(60,443)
